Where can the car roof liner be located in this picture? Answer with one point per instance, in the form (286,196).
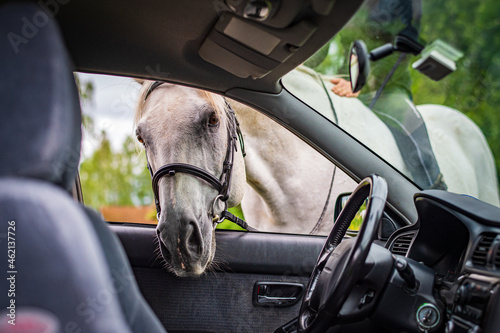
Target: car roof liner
(107,37)
(40,111)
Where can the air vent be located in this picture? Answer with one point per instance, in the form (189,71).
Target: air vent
(401,244)
(496,259)
(480,254)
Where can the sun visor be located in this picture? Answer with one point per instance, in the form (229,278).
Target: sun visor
(247,48)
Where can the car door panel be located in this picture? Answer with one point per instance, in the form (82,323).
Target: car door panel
(221,300)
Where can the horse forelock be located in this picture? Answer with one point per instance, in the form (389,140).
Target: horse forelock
(216,102)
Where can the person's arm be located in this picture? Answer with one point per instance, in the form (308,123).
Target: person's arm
(342,88)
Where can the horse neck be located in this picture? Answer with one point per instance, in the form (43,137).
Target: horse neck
(280,167)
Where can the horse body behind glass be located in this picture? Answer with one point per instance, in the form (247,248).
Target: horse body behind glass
(282,183)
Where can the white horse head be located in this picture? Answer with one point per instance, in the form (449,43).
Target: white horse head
(178,124)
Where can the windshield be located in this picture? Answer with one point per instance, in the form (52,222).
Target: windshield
(430,111)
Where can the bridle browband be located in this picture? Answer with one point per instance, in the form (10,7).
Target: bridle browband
(221,184)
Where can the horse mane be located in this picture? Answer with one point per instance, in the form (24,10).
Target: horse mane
(215,101)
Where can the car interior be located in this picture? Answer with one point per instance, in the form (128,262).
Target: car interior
(74,272)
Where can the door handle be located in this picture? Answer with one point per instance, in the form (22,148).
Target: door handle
(276,300)
(277,293)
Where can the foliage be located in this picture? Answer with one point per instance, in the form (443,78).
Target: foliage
(471,26)
(86,92)
(108,177)
(230,225)
(115,178)
(358,218)
(85,89)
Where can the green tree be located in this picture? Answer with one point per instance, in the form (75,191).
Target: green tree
(108,177)
(115,178)
(86,92)
(472,27)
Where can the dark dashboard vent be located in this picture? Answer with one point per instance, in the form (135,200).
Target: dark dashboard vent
(402,243)
(496,259)
(480,254)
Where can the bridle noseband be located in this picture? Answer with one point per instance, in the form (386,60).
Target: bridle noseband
(221,184)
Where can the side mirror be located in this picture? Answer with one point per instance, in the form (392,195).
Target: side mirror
(386,228)
(340,204)
(359,65)
(358,219)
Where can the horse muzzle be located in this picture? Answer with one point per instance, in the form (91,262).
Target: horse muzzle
(183,248)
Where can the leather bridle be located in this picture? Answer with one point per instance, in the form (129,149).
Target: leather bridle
(221,184)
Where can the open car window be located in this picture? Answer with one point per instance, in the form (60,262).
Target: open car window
(116,182)
(112,171)
(435,125)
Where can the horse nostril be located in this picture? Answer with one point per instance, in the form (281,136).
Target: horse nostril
(193,240)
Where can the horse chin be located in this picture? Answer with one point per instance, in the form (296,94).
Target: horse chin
(183,267)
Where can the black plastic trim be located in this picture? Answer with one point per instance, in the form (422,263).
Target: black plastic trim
(471,207)
(237,252)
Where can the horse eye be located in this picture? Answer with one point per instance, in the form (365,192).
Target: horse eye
(214,120)
(139,138)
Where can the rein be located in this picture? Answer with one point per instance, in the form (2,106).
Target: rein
(327,202)
(221,184)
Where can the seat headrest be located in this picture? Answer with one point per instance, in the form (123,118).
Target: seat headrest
(40,116)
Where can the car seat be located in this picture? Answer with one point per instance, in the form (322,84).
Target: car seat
(63,269)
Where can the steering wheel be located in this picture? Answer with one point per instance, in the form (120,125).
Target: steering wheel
(340,265)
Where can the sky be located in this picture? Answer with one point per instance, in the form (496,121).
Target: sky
(112,109)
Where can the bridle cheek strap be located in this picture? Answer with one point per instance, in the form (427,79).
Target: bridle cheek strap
(171,169)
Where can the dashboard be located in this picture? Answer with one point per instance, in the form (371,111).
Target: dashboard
(459,238)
